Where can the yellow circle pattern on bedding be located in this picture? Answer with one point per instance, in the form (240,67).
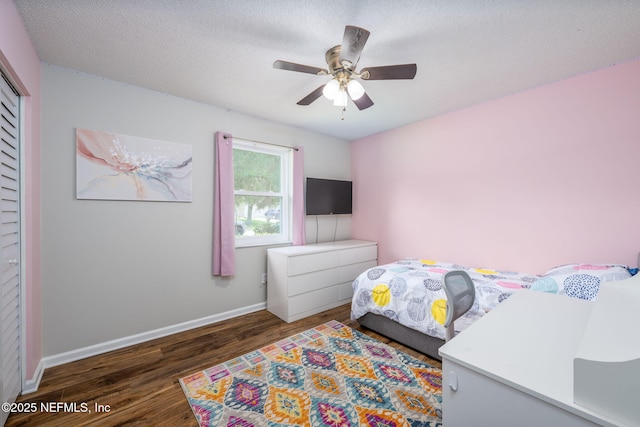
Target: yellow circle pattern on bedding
(381,295)
(439,310)
(486,271)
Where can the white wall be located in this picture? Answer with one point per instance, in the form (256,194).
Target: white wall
(112,269)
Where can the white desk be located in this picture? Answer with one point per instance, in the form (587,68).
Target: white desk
(515,365)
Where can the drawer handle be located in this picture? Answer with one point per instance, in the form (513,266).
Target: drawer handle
(453,381)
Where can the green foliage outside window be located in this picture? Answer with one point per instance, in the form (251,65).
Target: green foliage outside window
(256,172)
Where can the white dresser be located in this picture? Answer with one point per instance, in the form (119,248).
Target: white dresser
(308,279)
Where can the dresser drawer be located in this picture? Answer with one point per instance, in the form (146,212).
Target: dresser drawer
(312,300)
(355,255)
(345,291)
(348,273)
(311,281)
(312,262)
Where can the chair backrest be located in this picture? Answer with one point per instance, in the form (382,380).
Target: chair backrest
(461,294)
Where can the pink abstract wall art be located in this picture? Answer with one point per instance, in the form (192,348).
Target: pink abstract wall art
(111,166)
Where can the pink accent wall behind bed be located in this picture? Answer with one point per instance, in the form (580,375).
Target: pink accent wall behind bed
(526,182)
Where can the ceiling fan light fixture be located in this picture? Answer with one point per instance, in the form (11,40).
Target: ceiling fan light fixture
(342,61)
(340,99)
(331,89)
(355,89)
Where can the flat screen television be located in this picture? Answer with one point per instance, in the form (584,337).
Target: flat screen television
(328,196)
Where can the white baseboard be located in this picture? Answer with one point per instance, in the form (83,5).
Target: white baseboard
(31,385)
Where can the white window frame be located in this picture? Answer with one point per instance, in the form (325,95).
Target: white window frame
(286,190)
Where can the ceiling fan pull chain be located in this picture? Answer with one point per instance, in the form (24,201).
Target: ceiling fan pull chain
(343,110)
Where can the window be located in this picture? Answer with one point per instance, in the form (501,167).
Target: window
(263,182)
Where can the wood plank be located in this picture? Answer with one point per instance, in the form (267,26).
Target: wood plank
(140,383)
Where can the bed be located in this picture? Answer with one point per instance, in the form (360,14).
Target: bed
(405,301)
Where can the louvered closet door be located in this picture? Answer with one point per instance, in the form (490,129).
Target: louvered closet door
(10,352)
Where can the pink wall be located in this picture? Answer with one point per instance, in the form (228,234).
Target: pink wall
(19,60)
(526,182)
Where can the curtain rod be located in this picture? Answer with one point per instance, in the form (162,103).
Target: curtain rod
(262,142)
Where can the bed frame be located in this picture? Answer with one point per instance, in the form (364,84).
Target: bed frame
(410,337)
(417,340)
(458,303)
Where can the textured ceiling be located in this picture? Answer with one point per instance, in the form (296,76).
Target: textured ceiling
(221,52)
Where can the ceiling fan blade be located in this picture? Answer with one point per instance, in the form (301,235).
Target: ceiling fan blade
(291,66)
(390,72)
(353,42)
(363,102)
(311,97)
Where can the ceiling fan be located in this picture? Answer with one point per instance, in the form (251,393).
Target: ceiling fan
(342,61)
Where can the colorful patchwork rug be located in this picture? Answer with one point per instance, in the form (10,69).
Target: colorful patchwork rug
(330,375)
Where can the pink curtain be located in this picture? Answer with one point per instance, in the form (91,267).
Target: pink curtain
(224,240)
(299,237)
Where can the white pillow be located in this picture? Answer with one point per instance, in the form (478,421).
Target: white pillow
(580,280)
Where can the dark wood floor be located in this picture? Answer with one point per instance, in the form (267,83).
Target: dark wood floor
(139,384)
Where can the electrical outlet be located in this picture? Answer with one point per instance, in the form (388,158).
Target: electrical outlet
(264,279)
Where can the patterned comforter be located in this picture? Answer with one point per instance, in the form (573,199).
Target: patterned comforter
(410,291)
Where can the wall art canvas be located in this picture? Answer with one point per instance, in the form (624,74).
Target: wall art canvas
(111,166)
